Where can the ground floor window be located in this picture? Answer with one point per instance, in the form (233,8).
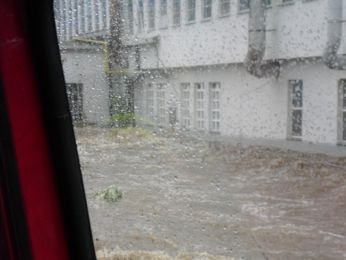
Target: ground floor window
(200,106)
(75,98)
(161,105)
(185,110)
(151,102)
(214,101)
(295,109)
(342,111)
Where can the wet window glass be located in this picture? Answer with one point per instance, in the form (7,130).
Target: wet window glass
(209,129)
(191,10)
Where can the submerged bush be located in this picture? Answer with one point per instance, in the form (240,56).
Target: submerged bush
(111,194)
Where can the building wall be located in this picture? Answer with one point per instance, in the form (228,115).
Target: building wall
(87,67)
(297,30)
(258,108)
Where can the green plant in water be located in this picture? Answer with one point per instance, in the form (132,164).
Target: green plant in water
(111,194)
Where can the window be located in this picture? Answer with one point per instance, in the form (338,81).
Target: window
(89,10)
(163,14)
(200,106)
(191,11)
(130,16)
(214,101)
(224,7)
(185,110)
(151,14)
(140,16)
(176,12)
(161,105)
(80,19)
(245,4)
(296,108)
(74,17)
(151,102)
(207,9)
(342,111)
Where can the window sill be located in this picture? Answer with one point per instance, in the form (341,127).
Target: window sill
(286,4)
(190,22)
(244,11)
(163,28)
(224,15)
(205,20)
(176,26)
(295,138)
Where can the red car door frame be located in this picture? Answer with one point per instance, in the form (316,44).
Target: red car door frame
(42,201)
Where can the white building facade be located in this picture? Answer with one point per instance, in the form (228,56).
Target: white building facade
(191,55)
(193,52)
(83,28)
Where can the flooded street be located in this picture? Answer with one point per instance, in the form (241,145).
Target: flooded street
(184,198)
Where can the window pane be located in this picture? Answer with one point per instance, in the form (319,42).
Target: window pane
(344,96)
(176,12)
(191,10)
(344,126)
(207,8)
(225,6)
(297,122)
(297,93)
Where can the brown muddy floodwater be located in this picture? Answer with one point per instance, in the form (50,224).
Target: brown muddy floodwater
(183,198)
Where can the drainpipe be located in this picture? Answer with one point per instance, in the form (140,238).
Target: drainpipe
(334,32)
(257,43)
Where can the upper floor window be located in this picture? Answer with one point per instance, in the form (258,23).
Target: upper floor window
(151,14)
(191,10)
(207,9)
(224,7)
(163,14)
(140,16)
(245,4)
(176,12)
(130,15)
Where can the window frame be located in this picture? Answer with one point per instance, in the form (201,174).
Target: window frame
(130,16)
(150,102)
(163,14)
(185,106)
(151,15)
(200,106)
(341,125)
(161,106)
(292,108)
(221,2)
(204,7)
(140,16)
(190,10)
(246,9)
(176,13)
(216,110)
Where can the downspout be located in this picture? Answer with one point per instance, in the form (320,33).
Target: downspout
(334,33)
(257,43)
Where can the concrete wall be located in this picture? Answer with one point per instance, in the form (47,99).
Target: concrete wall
(87,67)
(258,108)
